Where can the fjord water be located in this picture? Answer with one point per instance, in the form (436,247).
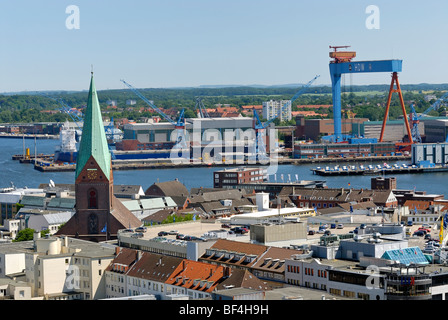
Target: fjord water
(24,175)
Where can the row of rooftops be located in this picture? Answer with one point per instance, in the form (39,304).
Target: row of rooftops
(249,255)
(176,271)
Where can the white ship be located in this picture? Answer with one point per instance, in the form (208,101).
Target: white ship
(67,150)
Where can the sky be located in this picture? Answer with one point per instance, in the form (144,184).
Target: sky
(189,43)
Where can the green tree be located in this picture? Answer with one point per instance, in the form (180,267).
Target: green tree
(24,235)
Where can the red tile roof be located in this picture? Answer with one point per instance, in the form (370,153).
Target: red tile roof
(156,267)
(196,275)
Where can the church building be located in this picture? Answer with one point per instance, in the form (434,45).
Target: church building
(99,214)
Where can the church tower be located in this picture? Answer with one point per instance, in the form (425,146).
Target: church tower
(99,215)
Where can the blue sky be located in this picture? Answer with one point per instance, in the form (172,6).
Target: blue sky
(169,43)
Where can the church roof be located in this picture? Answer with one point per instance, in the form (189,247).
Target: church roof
(93,140)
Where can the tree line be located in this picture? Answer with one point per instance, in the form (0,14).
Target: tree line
(365,101)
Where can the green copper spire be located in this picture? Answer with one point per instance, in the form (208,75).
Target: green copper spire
(93,140)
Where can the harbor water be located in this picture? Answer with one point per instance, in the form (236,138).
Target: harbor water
(24,175)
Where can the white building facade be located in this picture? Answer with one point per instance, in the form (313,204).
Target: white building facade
(273,108)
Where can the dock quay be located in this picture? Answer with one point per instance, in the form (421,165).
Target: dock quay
(346,159)
(45,164)
(29,136)
(350,171)
(31,158)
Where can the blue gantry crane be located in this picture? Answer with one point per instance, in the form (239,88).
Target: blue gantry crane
(342,64)
(415,119)
(179,125)
(260,128)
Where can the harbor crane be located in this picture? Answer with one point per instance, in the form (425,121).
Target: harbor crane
(65,108)
(179,125)
(342,64)
(78,120)
(201,108)
(415,119)
(260,128)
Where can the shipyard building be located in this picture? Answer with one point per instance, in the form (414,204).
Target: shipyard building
(197,129)
(213,138)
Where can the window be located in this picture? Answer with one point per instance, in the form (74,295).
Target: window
(93,201)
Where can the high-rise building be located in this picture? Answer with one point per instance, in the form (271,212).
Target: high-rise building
(99,215)
(273,108)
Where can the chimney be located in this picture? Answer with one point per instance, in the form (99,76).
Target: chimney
(139,255)
(117,250)
(227,272)
(262,200)
(36,236)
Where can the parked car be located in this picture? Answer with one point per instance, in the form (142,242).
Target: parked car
(166,233)
(137,235)
(141,229)
(180,236)
(327,233)
(239,230)
(427,226)
(410,223)
(193,238)
(333,226)
(225,225)
(419,233)
(424,229)
(340,226)
(311,232)
(362,226)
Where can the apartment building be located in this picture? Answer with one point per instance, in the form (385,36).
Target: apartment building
(328,198)
(280,109)
(231,177)
(135,273)
(66,268)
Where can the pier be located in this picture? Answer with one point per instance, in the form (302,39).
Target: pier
(29,136)
(351,171)
(45,163)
